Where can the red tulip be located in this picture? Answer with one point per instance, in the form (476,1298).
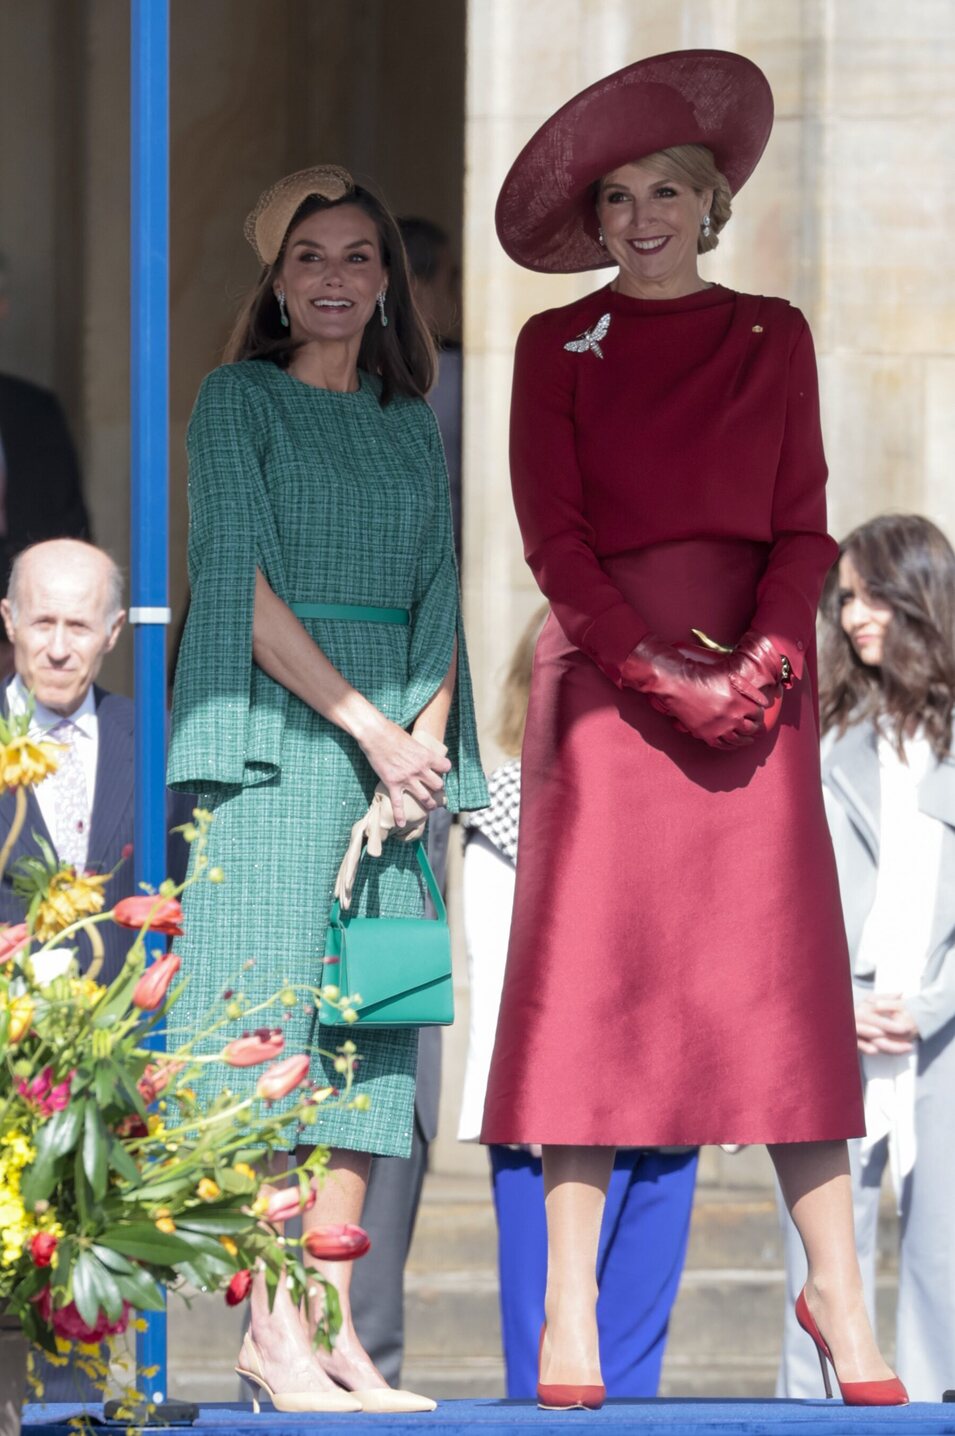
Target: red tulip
(280,1078)
(286,1202)
(337,1242)
(238,1288)
(42,1247)
(253,1047)
(150,991)
(12,939)
(163,914)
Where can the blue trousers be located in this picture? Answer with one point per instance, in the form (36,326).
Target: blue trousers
(642,1249)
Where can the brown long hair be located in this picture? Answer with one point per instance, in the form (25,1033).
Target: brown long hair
(516,688)
(907,563)
(401,355)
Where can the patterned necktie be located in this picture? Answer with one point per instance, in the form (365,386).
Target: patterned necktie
(71,837)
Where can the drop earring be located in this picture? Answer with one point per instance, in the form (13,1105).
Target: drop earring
(280,296)
(600,238)
(380,301)
(706,226)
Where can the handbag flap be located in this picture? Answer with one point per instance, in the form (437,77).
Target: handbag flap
(381,958)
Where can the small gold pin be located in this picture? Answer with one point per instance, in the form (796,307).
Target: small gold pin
(757,329)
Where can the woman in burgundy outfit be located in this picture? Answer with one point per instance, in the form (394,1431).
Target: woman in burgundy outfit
(677,914)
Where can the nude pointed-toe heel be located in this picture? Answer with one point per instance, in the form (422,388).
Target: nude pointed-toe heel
(328,1401)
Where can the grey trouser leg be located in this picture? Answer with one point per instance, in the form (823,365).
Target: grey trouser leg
(378,1281)
(799,1375)
(926,1316)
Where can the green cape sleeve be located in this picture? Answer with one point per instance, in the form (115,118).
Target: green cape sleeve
(228,716)
(436,621)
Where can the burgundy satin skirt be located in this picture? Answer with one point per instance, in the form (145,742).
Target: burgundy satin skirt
(677,970)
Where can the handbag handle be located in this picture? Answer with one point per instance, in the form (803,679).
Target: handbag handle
(430,882)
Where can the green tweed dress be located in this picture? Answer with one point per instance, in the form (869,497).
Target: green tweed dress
(336,500)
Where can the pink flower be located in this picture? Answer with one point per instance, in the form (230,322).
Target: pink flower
(67,1322)
(253,1047)
(163,914)
(150,991)
(41,1093)
(12,940)
(337,1242)
(238,1288)
(285,1202)
(281,1078)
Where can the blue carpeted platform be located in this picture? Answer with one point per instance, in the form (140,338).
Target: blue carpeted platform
(496,1418)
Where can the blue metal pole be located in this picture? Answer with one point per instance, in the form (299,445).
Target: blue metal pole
(149,364)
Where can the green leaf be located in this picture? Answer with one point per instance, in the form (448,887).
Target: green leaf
(104,1078)
(123,1162)
(63,1271)
(138,1288)
(82,1190)
(85,1293)
(58,1137)
(215,1223)
(95,1148)
(116,1263)
(105,1286)
(116,1002)
(159,1191)
(145,1242)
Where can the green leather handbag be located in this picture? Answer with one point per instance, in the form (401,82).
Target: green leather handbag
(397,969)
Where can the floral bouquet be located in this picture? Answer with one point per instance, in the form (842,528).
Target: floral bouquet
(115,1183)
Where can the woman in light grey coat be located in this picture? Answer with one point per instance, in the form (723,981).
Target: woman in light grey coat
(888,690)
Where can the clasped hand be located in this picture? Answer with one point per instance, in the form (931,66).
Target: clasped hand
(411,787)
(884,1025)
(719,698)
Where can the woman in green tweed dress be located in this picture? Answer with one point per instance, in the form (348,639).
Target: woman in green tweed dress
(316,476)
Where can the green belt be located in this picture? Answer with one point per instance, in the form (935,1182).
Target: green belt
(351,612)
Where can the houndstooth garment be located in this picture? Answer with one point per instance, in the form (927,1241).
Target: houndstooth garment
(334,499)
(500,820)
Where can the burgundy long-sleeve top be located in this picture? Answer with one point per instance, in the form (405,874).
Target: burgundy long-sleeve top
(701,420)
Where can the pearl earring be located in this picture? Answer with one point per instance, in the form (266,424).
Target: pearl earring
(600,238)
(282,314)
(380,301)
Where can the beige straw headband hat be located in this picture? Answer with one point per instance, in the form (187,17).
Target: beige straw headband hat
(267,225)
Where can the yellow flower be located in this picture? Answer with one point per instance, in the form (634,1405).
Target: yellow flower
(165,1224)
(208,1190)
(140,1324)
(24,762)
(68,898)
(229,1245)
(21,1016)
(155,1125)
(86,990)
(244,1170)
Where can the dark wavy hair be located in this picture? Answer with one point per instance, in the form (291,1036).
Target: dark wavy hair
(401,354)
(904,561)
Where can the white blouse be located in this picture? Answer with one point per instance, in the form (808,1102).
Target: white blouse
(895,940)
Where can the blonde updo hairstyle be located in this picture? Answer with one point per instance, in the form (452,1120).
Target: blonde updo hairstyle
(694,165)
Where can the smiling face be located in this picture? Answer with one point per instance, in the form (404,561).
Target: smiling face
(651,225)
(331,274)
(864,619)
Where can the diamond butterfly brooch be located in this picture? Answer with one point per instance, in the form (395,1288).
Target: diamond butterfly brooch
(589,341)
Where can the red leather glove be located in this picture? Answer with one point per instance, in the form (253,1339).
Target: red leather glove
(717,698)
(755,659)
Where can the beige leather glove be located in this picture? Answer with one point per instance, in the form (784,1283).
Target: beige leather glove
(378,824)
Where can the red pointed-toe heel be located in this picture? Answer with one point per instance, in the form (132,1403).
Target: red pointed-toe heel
(854,1393)
(566,1398)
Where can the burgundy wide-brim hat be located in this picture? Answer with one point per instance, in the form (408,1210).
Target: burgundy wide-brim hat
(545,212)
